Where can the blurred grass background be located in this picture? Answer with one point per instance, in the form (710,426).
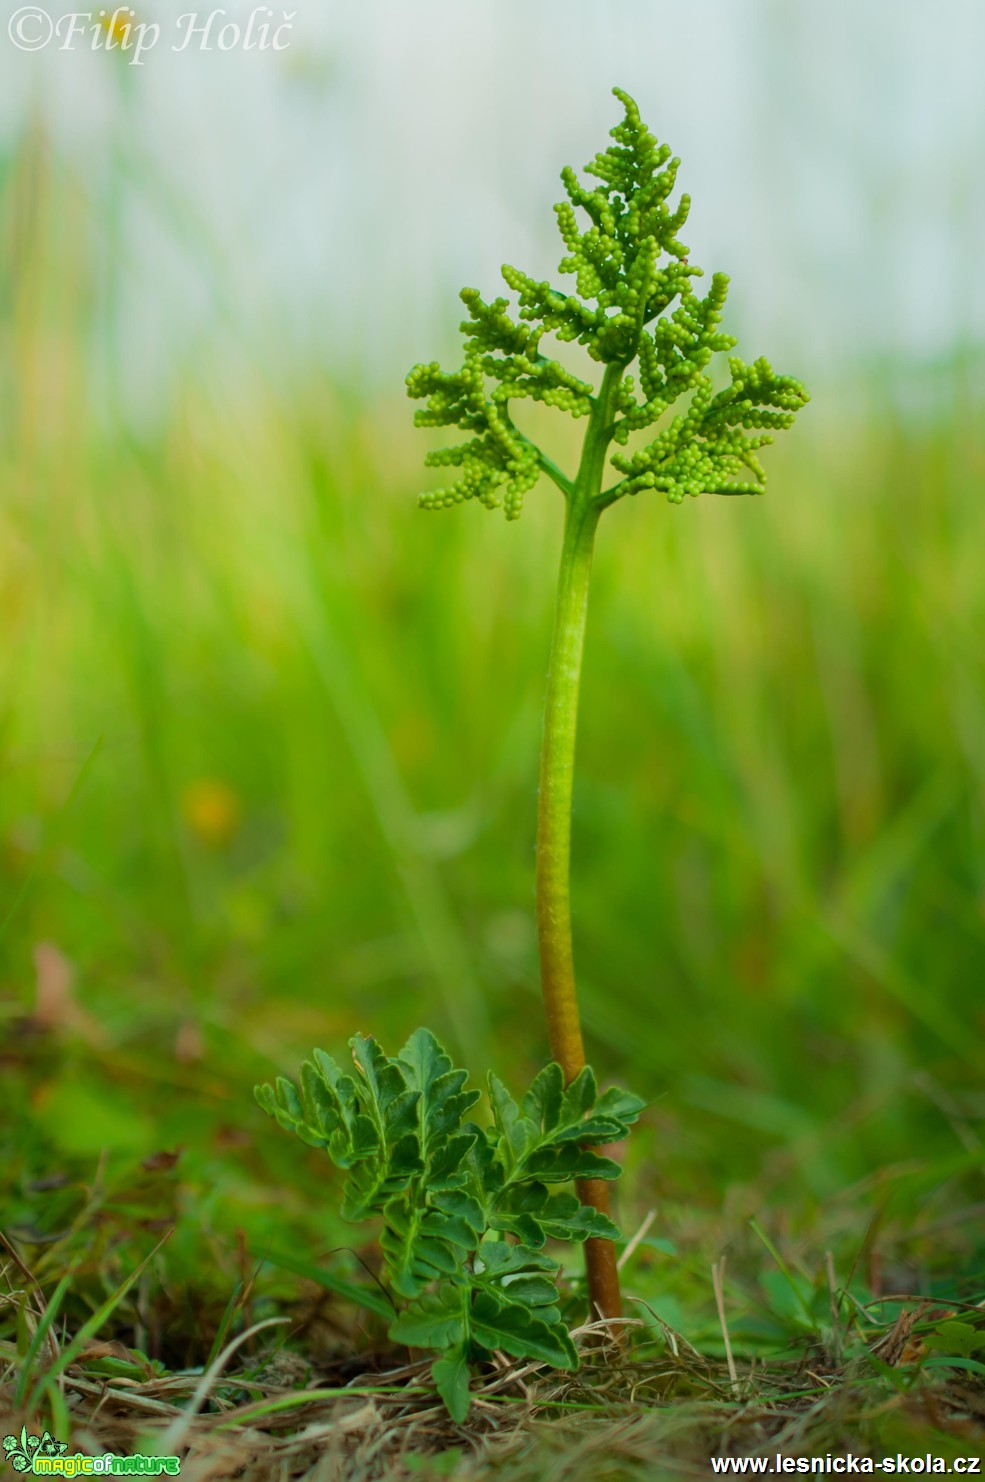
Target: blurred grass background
(268,739)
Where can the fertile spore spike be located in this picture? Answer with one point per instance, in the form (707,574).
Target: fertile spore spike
(633,302)
(633,305)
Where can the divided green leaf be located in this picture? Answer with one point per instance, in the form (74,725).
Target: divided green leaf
(465,1210)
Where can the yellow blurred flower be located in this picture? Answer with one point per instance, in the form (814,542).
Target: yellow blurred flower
(212,810)
(116,23)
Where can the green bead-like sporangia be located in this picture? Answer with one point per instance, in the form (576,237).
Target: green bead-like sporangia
(633,304)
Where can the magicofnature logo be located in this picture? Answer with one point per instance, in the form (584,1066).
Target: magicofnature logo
(43,1455)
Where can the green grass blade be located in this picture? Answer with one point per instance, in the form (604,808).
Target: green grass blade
(40,1334)
(808,1315)
(88,1329)
(368,1298)
(44,853)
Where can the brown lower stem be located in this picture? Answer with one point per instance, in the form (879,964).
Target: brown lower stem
(604,1296)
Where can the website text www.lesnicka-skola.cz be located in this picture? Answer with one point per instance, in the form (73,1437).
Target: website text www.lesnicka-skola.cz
(898,1465)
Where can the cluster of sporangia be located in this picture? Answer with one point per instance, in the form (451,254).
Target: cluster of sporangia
(629,269)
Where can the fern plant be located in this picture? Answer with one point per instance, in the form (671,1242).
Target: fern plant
(655,419)
(466,1210)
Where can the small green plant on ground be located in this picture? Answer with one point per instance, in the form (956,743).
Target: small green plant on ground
(466,1210)
(445,1189)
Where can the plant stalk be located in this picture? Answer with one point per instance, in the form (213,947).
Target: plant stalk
(557,767)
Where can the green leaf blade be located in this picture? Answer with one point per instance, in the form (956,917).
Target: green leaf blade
(451,1378)
(435,1320)
(514,1330)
